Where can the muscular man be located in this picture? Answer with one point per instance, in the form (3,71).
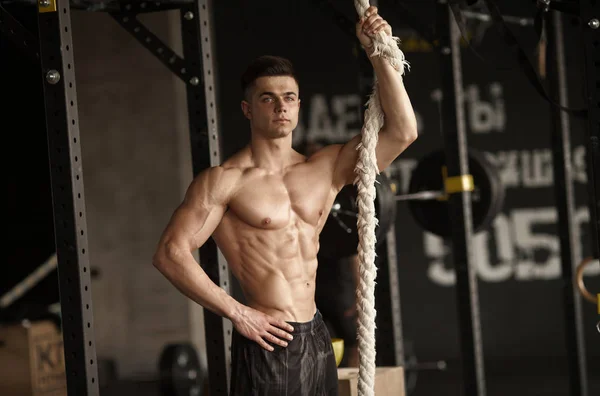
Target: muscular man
(265,208)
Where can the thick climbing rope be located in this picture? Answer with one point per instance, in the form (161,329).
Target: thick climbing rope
(366,171)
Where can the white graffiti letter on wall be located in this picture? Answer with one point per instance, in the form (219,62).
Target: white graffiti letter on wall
(437,271)
(522,251)
(528,242)
(319,120)
(347,112)
(487,269)
(537,168)
(485,117)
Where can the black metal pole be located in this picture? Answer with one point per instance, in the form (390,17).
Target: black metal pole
(459,204)
(204,134)
(70,226)
(568,231)
(590,34)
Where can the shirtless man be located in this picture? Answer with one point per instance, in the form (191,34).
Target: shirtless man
(265,208)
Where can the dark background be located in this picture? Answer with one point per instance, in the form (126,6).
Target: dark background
(522,316)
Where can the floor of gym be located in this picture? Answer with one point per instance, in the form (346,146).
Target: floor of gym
(529,377)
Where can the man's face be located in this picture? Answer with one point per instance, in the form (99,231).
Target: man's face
(272,106)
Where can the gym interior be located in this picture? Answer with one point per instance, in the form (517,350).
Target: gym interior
(488,286)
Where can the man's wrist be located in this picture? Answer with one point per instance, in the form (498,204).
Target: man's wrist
(234,311)
(369,49)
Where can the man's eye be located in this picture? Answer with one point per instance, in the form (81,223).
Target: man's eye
(290,98)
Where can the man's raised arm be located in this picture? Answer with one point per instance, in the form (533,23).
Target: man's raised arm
(400,125)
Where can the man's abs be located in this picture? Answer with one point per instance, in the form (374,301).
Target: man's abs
(276,267)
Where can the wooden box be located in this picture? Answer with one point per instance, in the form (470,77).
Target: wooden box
(32,360)
(389,381)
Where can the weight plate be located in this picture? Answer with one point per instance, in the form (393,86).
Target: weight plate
(433,216)
(339,237)
(180,371)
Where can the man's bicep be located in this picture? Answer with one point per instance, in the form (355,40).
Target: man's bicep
(346,162)
(202,209)
(389,148)
(192,224)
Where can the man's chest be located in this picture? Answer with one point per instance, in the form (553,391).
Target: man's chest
(275,201)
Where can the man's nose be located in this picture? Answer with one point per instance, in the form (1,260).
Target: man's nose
(280,107)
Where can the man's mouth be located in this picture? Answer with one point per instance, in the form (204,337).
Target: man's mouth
(282,120)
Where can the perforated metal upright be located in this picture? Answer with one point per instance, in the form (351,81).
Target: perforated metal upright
(568,230)
(204,133)
(590,17)
(459,204)
(196,69)
(70,227)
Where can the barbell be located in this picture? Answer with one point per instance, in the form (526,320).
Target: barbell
(427,199)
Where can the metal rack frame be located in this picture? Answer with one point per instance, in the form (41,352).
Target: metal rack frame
(459,204)
(196,70)
(53,48)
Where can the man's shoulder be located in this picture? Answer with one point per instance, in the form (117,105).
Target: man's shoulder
(220,174)
(328,153)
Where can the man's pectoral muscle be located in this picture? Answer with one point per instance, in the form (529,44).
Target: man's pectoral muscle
(270,238)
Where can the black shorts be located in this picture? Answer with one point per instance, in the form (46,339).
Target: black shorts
(306,367)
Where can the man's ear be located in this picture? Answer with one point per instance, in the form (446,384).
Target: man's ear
(246,110)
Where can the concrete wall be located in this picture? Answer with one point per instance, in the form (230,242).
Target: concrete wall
(136,167)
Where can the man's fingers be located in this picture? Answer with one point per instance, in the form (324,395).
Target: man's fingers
(263,344)
(275,340)
(281,324)
(370,20)
(280,333)
(371,10)
(376,26)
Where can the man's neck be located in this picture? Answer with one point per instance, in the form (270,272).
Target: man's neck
(271,154)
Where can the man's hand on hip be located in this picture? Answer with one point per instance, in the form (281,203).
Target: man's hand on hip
(261,328)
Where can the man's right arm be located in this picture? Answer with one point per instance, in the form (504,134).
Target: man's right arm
(191,225)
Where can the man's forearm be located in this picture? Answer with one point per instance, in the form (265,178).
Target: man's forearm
(399,114)
(190,279)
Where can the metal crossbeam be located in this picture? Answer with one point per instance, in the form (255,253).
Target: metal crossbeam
(142,7)
(179,66)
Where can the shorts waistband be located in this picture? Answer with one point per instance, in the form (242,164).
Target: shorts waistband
(306,327)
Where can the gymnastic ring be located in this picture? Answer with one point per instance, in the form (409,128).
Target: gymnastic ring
(579,280)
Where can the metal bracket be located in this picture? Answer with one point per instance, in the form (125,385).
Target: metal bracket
(137,7)
(20,36)
(162,51)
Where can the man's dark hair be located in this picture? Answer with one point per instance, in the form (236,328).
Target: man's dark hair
(266,66)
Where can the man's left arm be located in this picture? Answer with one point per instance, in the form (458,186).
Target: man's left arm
(400,125)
